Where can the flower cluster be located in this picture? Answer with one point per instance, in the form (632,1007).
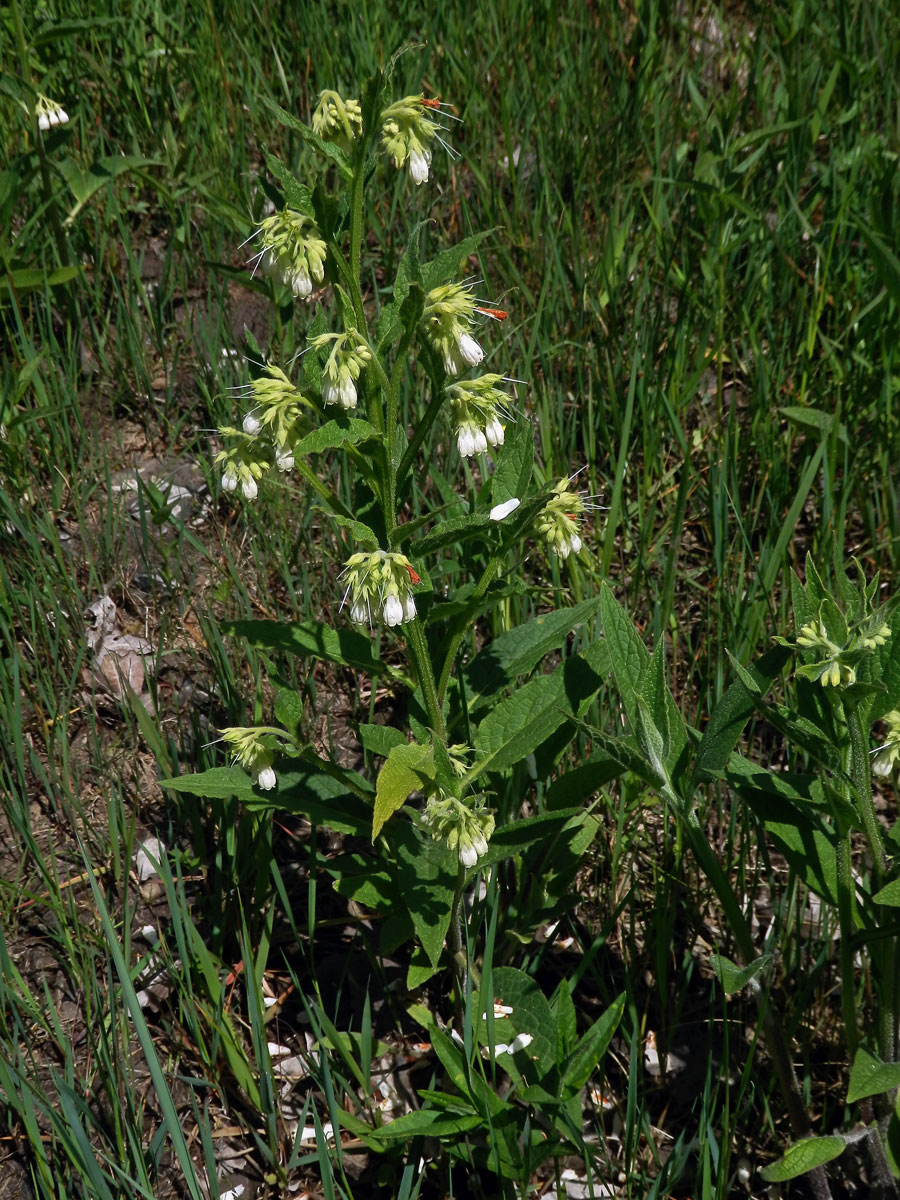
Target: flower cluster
(252,747)
(407,133)
(475,405)
(269,431)
(379,584)
(558,521)
(466,829)
(291,249)
(49,113)
(448,314)
(337,120)
(887,755)
(349,354)
(837,648)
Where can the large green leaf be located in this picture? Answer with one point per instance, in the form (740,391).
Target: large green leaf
(311,639)
(408,768)
(31,279)
(734,978)
(458,529)
(803,1156)
(518,725)
(628,654)
(517,652)
(515,463)
(732,713)
(426,880)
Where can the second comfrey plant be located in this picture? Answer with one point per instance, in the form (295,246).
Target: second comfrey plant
(392,385)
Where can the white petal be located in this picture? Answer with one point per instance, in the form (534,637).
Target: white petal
(409,608)
(500,511)
(467,855)
(418,167)
(520,1042)
(393,611)
(251,425)
(266,780)
(480,442)
(284,461)
(250,489)
(43,121)
(575,543)
(229,482)
(469,350)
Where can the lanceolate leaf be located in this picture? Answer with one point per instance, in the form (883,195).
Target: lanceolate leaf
(426,881)
(407,769)
(518,725)
(732,713)
(311,639)
(517,652)
(448,263)
(592,1047)
(628,654)
(334,434)
(297,196)
(734,978)
(327,149)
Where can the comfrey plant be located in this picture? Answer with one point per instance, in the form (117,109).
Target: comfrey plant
(448,789)
(845,655)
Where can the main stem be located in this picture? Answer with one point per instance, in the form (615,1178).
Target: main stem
(418,645)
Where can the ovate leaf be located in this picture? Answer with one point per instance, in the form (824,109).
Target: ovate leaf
(869,1076)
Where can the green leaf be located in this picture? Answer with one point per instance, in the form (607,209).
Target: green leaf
(531,1014)
(311,639)
(358,530)
(734,978)
(449,262)
(582,781)
(427,1121)
(408,768)
(297,195)
(31,279)
(566,1021)
(381,739)
(218,783)
(889,894)
(592,1047)
(426,881)
(334,434)
(732,713)
(83,183)
(516,726)
(518,651)
(289,709)
(628,654)
(520,835)
(869,1076)
(515,463)
(328,149)
(456,530)
(803,1156)
(812,420)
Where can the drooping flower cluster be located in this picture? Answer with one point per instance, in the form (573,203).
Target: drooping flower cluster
(887,755)
(349,354)
(269,432)
(448,314)
(49,113)
(379,587)
(252,747)
(407,133)
(337,120)
(558,522)
(292,250)
(475,408)
(465,828)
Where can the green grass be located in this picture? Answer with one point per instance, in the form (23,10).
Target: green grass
(695,217)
